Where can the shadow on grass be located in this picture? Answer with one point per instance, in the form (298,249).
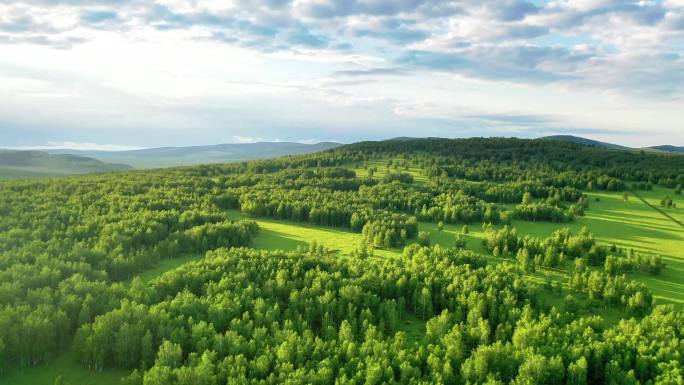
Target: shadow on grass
(272,240)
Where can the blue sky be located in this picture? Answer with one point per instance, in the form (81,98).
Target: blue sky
(130,73)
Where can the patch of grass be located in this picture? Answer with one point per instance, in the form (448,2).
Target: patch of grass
(289,235)
(417,173)
(413,327)
(657,194)
(165,265)
(628,224)
(65,365)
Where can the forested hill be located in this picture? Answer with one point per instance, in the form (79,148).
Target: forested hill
(589,142)
(670,149)
(519,153)
(427,280)
(26,164)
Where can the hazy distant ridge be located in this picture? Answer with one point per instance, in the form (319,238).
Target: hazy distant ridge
(218,153)
(27,164)
(668,148)
(590,142)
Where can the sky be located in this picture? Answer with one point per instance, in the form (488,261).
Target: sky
(119,74)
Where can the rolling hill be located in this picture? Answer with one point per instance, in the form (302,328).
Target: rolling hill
(589,142)
(664,149)
(670,149)
(185,156)
(34,164)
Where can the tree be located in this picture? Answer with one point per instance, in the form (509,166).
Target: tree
(424,238)
(169,355)
(459,241)
(577,372)
(526,263)
(425,303)
(147,350)
(527,198)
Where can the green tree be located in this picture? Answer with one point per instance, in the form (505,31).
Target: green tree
(424,238)
(169,355)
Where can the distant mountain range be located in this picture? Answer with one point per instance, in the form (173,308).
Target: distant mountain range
(33,164)
(58,162)
(596,143)
(672,149)
(185,156)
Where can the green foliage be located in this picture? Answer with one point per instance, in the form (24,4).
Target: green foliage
(424,238)
(549,252)
(65,248)
(70,251)
(652,264)
(247,316)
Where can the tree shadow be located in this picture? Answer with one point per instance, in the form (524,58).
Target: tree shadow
(272,240)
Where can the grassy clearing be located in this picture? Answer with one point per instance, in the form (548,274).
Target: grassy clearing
(289,235)
(658,193)
(413,327)
(417,173)
(65,365)
(165,265)
(628,224)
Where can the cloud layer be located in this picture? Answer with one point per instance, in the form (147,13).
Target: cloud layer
(376,57)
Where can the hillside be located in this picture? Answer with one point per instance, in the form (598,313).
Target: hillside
(668,148)
(191,155)
(611,146)
(589,142)
(444,261)
(34,164)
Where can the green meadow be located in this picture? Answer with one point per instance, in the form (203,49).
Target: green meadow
(629,224)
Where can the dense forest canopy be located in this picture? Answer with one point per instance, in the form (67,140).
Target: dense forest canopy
(72,249)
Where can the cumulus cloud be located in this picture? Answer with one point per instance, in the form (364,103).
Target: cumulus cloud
(383,50)
(492,39)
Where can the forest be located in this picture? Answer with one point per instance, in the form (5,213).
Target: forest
(473,261)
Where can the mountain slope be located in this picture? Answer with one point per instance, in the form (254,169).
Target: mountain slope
(220,153)
(580,140)
(668,148)
(32,164)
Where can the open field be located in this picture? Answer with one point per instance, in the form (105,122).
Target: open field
(658,193)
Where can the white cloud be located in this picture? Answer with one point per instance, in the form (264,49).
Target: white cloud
(201,70)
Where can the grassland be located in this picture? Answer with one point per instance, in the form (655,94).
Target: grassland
(658,193)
